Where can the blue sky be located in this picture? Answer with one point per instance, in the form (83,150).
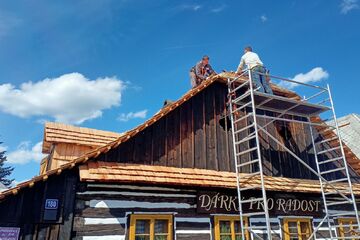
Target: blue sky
(110,64)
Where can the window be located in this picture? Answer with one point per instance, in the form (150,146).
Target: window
(297,228)
(347,227)
(229,228)
(151,227)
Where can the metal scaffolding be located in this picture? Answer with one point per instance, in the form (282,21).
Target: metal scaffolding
(245,101)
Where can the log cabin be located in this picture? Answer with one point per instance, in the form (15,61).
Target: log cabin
(172,177)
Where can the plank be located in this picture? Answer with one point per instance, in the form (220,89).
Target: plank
(28,231)
(148,145)
(69,204)
(210,129)
(43,232)
(159,141)
(54,231)
(193,236)
(285,161)
(199,131)
(139,149)
(173,138)
(222,147)
(274,149)
(187,135)
(177,138)
(264,140)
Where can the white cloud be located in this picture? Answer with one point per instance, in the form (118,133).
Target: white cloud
(315,75)
(263,18)
(192,7)
(218,9)
(348,5)
(124,117)
(25,153)
(14,183)
(70,98)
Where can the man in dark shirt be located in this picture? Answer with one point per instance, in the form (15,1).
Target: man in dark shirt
(200,71)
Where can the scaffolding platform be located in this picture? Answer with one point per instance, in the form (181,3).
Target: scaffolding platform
(244,101)
(280,104)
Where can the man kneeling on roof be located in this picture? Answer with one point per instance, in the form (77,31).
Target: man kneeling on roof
(201,71)
(258,71)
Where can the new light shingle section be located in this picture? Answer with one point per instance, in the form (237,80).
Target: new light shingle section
(63,133)
(350,133)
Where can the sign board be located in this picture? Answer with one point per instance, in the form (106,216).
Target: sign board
(52,204)
(9,233)
(278,203)
(51,209)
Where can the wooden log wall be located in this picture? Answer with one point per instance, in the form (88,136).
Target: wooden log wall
(196,135)
(103,212)
(25,210)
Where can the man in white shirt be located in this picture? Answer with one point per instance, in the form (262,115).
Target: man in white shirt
(252,61)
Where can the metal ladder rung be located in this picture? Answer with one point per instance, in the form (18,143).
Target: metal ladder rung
(242,107)
(251,200)
(242,118)
(238,99)
(337,192)
(343,225)
(330,160)
(332,170)
(340,214)
(245,128)
(253,214)
(249,175)
(246,151)
(335,181)
(329,150)
(338,203)
(247,163)
(255,227)
(240,86)
(328,140)
(238,77)
(250,188)
(245,139)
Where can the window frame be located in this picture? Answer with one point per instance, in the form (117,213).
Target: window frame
(152,218)
(232,219)
(298,221)
(341,222)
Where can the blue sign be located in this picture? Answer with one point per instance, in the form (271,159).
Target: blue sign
(51,204)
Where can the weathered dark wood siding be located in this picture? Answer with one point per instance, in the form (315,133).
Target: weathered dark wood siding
(26,209)
(196,135)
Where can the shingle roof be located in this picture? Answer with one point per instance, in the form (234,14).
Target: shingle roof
(149,174)
(350,132)
(123,138)
(63,133)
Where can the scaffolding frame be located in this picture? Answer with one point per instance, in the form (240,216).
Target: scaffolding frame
(245,98)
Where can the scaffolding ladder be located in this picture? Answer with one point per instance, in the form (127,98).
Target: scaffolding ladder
(244,103)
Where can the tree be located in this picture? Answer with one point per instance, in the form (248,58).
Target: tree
(5,171)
